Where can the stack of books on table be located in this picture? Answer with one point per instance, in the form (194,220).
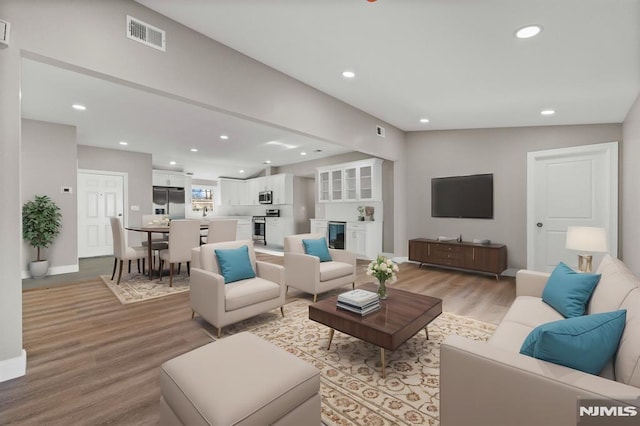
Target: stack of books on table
(358,301)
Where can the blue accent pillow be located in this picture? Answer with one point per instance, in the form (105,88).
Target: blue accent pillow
(235,264)
(568,291)
(317,248)
(584,343)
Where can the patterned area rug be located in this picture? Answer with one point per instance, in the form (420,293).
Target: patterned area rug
(137,287)
(353,390)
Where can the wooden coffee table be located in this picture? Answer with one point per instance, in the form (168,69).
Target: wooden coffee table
(402,315)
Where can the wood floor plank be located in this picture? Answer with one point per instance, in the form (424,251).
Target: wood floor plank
(92,360)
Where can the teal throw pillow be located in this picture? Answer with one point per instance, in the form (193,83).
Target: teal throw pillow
(235,264)
(584,343)
(317,248)
(568,291)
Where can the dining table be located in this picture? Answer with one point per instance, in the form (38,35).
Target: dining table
(158,229)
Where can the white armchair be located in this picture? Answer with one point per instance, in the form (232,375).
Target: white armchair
(307,273)
(222,304)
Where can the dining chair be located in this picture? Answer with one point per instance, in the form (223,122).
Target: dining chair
(158,241)
(123,252)
(220,231)
(184,234)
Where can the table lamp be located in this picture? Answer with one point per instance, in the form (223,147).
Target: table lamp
(586,239)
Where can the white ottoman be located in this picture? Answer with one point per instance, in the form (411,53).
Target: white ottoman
(239,380)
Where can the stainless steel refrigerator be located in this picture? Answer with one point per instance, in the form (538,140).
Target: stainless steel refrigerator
(169,200)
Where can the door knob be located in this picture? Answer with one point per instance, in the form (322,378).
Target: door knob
(539,224)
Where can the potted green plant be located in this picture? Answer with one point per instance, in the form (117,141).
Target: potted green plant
(41,221)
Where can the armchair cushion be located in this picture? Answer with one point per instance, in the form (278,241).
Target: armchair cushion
(332,270)
(249,292)
(235,264)
(568,291)
(317,248)
(585,343)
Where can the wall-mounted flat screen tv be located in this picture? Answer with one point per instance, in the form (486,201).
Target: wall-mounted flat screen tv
(462,196)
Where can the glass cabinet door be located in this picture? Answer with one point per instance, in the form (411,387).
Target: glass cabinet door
(323,189)
(350,184)
(366,182)
(336,185)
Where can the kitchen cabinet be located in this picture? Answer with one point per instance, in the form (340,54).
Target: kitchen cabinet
(276,228)
(230,191)
(319,226)
(243,231)
(355,181)
(165,178)
(282,187)
(364,239)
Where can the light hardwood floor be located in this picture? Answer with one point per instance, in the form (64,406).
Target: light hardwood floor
(94,361)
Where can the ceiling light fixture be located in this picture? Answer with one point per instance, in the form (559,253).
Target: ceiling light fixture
(78,107)
(303,153)
(547,112)
(241,171)
(348,74)
(173,163)
(225,137)
(424,120)
(194,149)
(124,143)
(528,31)
(267,162)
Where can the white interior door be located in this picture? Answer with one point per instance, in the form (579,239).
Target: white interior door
(100,196)
(575,186)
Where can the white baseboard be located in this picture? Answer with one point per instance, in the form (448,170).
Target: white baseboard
(13,367)
(55,270)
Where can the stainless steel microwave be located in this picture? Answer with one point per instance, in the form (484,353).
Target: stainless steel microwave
(265,197)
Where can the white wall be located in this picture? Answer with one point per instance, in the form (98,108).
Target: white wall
(630,183)
(49,163)
(502,152)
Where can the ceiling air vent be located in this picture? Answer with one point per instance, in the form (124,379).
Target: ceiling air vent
(145,33)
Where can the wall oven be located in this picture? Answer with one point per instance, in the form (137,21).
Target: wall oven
(336,232)
(259,225)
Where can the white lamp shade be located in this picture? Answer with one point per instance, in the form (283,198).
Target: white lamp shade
(586,239)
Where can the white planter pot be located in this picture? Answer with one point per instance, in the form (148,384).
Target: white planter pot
(39,269)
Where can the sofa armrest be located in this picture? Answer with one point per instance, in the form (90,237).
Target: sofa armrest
(301,271)
(483,384)
(530,283)
(343,256)
(207,295)
(270,271)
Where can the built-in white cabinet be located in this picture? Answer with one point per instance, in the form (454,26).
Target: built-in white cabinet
(319,226)
(364,239)
(355,181)
(166,178)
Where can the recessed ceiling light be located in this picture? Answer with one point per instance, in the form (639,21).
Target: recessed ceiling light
(547,112)
(303,153)
(78,107)
(348,74)
(267,162)
(424,120)
(241,171)
(173,163)
(528,31)
(194,149)
(124,143)
(225,137)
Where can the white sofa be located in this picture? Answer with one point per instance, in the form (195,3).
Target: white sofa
(491,383)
